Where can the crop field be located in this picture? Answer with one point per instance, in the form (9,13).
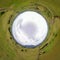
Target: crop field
(47,50)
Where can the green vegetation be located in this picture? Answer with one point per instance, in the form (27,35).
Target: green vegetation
(10,49)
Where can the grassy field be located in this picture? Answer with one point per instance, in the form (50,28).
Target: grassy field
(49,49)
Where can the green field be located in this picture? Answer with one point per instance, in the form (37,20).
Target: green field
(49,49)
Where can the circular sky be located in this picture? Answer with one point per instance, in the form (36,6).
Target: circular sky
(29,29)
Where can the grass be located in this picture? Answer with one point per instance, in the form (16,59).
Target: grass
(9,49)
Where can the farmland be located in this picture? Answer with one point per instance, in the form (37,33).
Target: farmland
(49,49)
